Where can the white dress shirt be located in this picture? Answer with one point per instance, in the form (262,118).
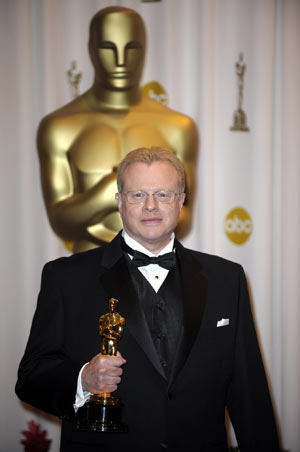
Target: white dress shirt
(154,274)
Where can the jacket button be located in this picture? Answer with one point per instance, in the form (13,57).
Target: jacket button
(164,445)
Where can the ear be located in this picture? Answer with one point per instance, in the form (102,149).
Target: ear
(118,198)
(182,198)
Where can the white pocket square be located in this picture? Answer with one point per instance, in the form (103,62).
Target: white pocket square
(222,322)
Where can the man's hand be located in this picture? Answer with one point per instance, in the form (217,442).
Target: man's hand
(102,373)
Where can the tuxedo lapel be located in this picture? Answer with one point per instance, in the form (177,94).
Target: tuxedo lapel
(117,282)
(194,298)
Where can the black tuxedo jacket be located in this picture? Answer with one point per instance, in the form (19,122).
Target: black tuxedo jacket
(215,367)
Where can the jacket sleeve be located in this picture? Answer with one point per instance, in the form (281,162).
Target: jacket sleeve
(248,399)
(47,376)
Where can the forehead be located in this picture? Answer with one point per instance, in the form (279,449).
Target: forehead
(156,176)
(119,26)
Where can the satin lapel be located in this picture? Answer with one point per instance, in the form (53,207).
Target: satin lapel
(194,298)
(117,282)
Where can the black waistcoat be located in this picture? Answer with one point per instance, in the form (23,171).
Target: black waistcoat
(163,311)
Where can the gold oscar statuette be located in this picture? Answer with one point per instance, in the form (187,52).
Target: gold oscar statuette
(102,412)
(81,144)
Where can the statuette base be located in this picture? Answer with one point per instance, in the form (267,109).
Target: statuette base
(101,414)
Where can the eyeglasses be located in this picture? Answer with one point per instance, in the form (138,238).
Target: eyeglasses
(140,197)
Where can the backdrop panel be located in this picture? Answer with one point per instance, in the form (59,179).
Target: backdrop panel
(247,205)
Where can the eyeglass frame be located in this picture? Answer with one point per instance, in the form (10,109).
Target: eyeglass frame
(142,201)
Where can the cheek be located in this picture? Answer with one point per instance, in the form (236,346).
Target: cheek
(172,215)
(106,59)
(134,59)
(130,214)
(177,213)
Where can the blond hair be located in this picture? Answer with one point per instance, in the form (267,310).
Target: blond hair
(149,155)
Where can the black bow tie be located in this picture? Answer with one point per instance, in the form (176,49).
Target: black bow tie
(167,261)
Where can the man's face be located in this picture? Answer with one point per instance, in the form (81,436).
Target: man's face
(117,49)
(151,223)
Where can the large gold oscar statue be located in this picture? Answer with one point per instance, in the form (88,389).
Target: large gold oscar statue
(81,144)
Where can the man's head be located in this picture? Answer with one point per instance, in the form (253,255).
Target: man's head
(150,195)
(117,47)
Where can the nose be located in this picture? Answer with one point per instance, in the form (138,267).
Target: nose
(121,56)
(150,203)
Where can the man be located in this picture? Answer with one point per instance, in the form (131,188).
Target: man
(81,144)
(189,347)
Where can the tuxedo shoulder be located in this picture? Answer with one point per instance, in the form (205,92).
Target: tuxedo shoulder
(211,261)
(86,259)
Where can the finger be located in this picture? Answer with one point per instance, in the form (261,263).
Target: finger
(107,382)
(107,388)
(120,356)
(110,361)
(114,371)
(101,382)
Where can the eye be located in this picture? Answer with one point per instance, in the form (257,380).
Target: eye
(138,195)
(133,45)
(162,195)
(107,45)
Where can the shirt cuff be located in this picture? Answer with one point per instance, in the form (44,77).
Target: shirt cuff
(81,395)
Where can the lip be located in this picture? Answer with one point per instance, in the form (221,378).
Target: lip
(120,74)
(150,221)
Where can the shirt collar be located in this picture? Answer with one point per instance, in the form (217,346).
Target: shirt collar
(138,247)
